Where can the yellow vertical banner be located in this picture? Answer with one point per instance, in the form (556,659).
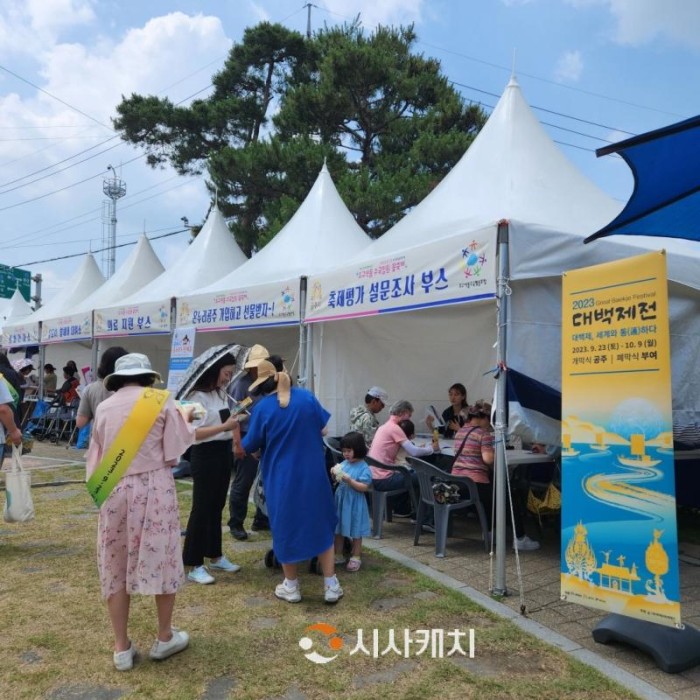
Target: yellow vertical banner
(619,550)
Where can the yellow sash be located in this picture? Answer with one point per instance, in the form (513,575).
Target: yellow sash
(126,444)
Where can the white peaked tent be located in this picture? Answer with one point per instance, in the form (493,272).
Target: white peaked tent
(512,171)
(144,317)
(84,282)
(14,309)
(140,267)
(261,301)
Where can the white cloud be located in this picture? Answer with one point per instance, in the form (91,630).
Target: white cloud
(569,67)
(28,26)
(373,12)
(642,21)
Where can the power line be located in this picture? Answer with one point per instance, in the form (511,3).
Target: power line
(53,165)
(58,99)
(77,255)
(551,82)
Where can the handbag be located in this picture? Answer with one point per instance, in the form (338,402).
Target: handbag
(548,504)
(18,492)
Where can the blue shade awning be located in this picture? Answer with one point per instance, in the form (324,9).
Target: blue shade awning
(666,197)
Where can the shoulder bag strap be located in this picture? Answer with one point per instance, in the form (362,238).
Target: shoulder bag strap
(464,442)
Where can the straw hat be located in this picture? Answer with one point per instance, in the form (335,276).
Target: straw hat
(265,371)
(257,354)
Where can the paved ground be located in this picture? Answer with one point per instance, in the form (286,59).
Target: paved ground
(468,568)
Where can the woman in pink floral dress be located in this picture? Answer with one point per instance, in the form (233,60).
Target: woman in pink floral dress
(138,538)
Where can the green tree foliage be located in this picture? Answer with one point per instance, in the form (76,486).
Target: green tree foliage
(384,118)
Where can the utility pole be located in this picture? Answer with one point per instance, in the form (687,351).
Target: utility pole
(37,279)
(308,7)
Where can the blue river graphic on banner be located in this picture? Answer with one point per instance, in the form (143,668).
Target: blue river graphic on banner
(619,535)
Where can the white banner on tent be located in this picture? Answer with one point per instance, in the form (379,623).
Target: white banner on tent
(19,334)
(442,272)
(274,304)
(145,318)
(74,327)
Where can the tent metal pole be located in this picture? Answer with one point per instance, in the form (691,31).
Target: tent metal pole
(303,333)
(95,350)
(42,362)
(309,357)
(501,421)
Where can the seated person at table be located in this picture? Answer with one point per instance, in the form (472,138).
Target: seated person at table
(388,439)
(69,388)
(409,430)
(476,461)
(452,416)
(24,368)
(363,419)
(50,379)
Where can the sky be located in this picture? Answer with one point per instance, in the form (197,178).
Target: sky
(594,71)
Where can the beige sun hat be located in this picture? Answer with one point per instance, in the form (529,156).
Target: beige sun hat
(265,371)
(257,354)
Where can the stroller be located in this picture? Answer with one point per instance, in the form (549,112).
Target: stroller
(271,561)
(57,422)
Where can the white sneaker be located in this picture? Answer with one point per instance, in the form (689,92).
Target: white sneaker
(291,595)
(162,650)
(223,564)
(525,544)
(333,593)
(200,575)
(124,660)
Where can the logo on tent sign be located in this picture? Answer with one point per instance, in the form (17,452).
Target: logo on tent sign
(473,261)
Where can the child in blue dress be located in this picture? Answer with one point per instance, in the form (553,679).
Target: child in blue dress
(354,480)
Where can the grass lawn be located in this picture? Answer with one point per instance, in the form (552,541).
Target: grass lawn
(57,638)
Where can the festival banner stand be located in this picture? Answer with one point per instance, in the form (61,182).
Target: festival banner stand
(181,354)
(619,544)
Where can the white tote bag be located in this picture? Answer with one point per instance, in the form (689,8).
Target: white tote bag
(18,492)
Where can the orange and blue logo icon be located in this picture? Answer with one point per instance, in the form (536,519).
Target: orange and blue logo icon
(331,637)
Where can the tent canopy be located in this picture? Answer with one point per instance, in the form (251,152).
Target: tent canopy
(211,255)
(512,170)
(666,197)
(321,234)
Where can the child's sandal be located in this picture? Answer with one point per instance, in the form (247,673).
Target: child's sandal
(354,564)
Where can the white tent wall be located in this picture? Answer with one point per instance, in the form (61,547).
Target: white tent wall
(534,338)
(414,355)
(539,256)
(282,341)
(155,347)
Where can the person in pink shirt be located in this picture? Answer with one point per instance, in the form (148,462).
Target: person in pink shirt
(387,441)
(138,534)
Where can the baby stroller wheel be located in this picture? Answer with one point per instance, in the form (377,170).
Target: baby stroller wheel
(314,566)
(271,561)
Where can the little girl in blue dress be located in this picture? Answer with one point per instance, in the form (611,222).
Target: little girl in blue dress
(354,480)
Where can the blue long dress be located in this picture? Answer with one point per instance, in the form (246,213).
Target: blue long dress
(298,492)
(353,514)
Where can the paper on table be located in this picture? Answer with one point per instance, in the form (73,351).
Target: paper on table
(439,423)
